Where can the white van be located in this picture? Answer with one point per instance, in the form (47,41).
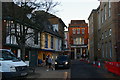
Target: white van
(10,66)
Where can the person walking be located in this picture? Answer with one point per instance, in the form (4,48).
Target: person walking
(46,60)
(49,63)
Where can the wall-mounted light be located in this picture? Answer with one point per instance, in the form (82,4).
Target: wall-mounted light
(11,21)
(4,21)
(98,49)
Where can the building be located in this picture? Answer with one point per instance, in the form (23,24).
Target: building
(59,25)
(67,45)
(51,43)
(52,35)
(108,21)
(78,38)
(38,41)
(16,34)
(93,26)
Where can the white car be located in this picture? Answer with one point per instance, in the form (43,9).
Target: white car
(10,66)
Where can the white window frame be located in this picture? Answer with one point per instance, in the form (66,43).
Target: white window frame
(105,12)
(110,49)
(102,16)
(102,36)
(83,31)
(110,32)
(106,45)
(74,31)
(109,8)
(78,31)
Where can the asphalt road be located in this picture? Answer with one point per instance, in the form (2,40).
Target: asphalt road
(81,70)
(42,74)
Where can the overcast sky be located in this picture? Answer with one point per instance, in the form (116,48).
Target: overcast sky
(75,9)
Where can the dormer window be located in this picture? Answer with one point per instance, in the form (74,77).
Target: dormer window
(55,27)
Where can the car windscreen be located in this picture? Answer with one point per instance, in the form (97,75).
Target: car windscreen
(6,55)
(62,58)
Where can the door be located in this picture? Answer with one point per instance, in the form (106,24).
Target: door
(33,58)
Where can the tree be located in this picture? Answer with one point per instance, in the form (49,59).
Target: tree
(22,15)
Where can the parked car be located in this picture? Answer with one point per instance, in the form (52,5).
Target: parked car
(62,61)
(11,66)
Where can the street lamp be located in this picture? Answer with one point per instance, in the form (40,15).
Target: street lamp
(98,49)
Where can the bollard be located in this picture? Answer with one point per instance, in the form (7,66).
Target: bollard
(88,61)
(98,64)
(93,63)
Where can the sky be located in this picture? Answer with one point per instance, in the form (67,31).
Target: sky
(75,9)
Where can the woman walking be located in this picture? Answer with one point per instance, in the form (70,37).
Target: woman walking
(49,63)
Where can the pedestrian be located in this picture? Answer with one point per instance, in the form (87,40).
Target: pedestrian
(40,62)
(50,63)
(46,60)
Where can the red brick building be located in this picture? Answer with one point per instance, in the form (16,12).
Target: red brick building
(78,38)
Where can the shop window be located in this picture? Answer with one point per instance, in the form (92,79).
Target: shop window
(46,41)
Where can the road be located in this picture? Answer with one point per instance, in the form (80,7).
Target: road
(81,70)
(41,73)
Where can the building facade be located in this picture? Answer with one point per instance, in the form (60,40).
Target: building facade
(93,55)
(51,44)
(67,45)
(78,38)
(52,34)
(38,43)
(108,21)
(59,25)
(17,31)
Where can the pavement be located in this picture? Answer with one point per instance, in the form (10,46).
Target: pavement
(41,73)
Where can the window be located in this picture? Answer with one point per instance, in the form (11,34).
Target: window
(55,27)
(66,36)
(110,32)
(102,16)
(102,51)
(106,50)
(109,8)
(99,16)
(102,36)
(98,45)
(74,31)
(105,12)
(36,37)
(12,27)
(78,31)
(106,33)
(52,42)
(11,39)
(110,48)
(78,40)
(74,41)
(18,27)
(82,40)
(83,31)
(58,43)
(46,40)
